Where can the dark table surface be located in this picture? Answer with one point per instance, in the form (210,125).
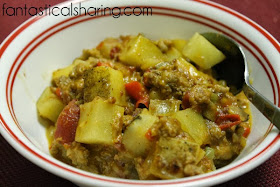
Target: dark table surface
(15,170)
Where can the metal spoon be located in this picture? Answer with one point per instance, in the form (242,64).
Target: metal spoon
(234,70)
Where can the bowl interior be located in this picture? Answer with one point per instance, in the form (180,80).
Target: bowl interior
(54,42)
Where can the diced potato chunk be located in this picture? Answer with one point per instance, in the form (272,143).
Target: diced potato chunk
(194,124)
(100,122)
(62,72)
(179,44)
(49,105)
(106,46)
(199,154)
(210,112)
(141,52)
(172,54)
(187,67)
(134,138)
(164,107)
(87,53)
(183,65)
(104,82)
(169,159)
(202,52)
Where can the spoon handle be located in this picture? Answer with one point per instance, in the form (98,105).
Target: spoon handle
(266,107)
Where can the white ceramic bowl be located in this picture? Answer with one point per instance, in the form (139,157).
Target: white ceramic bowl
(45,43)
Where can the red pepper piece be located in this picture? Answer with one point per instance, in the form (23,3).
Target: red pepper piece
(58,93)
(67,123)
(144,101)
(226,121)
(149,136)
(247,131)
(138,92)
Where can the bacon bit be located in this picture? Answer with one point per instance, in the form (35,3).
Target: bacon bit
(247,131)
(113,52)
(226,121)
(186,101)
(149,136)
(104,64)
(58,93)
(138,92)
(67,123)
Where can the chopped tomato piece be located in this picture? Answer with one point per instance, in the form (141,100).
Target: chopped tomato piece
(226,121)
(135,90)
(247,131)
(138,92)
(58,92)
(149,135)
(67,123)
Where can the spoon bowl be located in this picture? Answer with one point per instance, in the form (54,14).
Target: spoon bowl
(234,70)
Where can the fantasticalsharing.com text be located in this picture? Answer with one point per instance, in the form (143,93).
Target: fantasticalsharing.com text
(74,10)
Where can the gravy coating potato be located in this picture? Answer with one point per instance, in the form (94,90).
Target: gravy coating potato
(135,108)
